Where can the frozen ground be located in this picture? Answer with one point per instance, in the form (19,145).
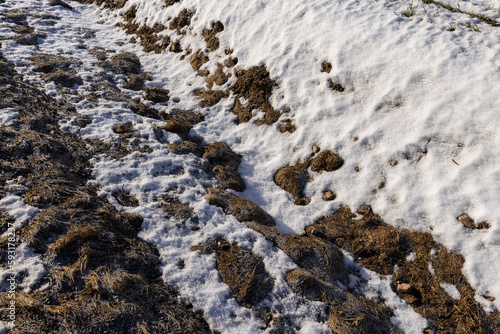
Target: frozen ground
(416,92)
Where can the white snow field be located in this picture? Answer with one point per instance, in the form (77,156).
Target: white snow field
(422,90)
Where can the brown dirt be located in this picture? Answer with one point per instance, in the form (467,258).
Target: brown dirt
(211,35)
(143,110)
(255,86)
(220,154)
(181,121)
(219,77)
(335,86)
(287,126)
(124,198)
(175,209)
(156,95)
(60,3)
(186,147)
(292,179)
(198,59)
(125,63)
(469,222)
(242,209)
(228,178)
(326,67)
(47,63)
(136,81)
(181,21)
(101,276)
(241,270)
(379,247)
(210,97)
(111,4)
(231,62)
(64,78)
(326,161)
(169,3)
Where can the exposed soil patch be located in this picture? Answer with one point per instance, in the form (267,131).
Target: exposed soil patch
(335,86)
(219,77)
(47,63)
(124,198)
(171,2)
(125,63)
(198,59)
(211,35)
(186,147)
(255,86)
(175,209)
(326,161)
(241,270)
(242,209)
(210,97)
(379,247)
(64,78)
(292,179)
(225,166)
(136,81)
(326,67)
(469,222)
(181,121)
(157,95)
(181,21)
(143,110)
(111,4)
(287,126)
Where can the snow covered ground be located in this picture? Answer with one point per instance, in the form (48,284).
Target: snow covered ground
(422,90)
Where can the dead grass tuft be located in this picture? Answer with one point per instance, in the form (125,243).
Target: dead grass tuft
(211,35)
(182,20)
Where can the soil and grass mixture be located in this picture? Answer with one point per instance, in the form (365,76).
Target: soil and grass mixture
(102,278)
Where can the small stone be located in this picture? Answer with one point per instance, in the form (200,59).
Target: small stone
(122,128)
(394,163)
(315,149)
(329,195)
(466,221)
(195,228)
(357,169)
(404,288)
(314,231)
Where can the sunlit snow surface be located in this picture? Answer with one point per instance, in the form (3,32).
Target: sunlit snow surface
(412,86)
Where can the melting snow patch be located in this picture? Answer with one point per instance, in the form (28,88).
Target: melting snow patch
(451,290)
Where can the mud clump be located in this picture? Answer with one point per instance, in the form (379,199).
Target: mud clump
(175,209)
(326,161)
(292,179)
(243,271)
(181,21)
(225,166)
(469,222)
(125,63)
(255,86)
(136,81)
(242,209)
(210,97)
(211,35)
(219,77)
(326,67)
(186,147)
(60,3)
(198,59)
(157,95)
(335,86)
(181,121)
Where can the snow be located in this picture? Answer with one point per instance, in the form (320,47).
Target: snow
(451,290)
(416,93)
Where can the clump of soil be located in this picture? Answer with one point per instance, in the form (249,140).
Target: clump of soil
(105,88)
(169,3)
(255,86)
(326,67)
(175,209)
(225,166)
(125,63)
(292,179)
(326,161)
(210,97)
(66,79)
(181,121)
(380,247)
(469,222)
(156,95)
(243,271)
(57,68)
(198,59)
(186,147)
(181,21)
(231,62)
(143,110)
(335,86)
(136,81)
(211,35)
(99,54)
(242,209)
(219,77)
(287,126)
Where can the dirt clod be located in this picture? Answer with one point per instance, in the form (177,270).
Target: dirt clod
(136,81)
(329,195)
(326,67)
(186,147)
(181,21)
(315,149)
(211,35)
(292,179)
(335,86)
(125,63)
(326,161)
(394,163)
(156,94)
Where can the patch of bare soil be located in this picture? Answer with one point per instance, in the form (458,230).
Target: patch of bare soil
(171,2)
(101,277)
(58,69)
(326,67)
(136,81)
(380,247)
(182,20)
(211,35)
(181,121)
(335,86)
(198,59)
(186,147)
(175,209)
(225,164)
(255,86)
(219,77)
(141,109)
(111,4)
(156,94)
(125,63)
(242,209)
(210,97)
